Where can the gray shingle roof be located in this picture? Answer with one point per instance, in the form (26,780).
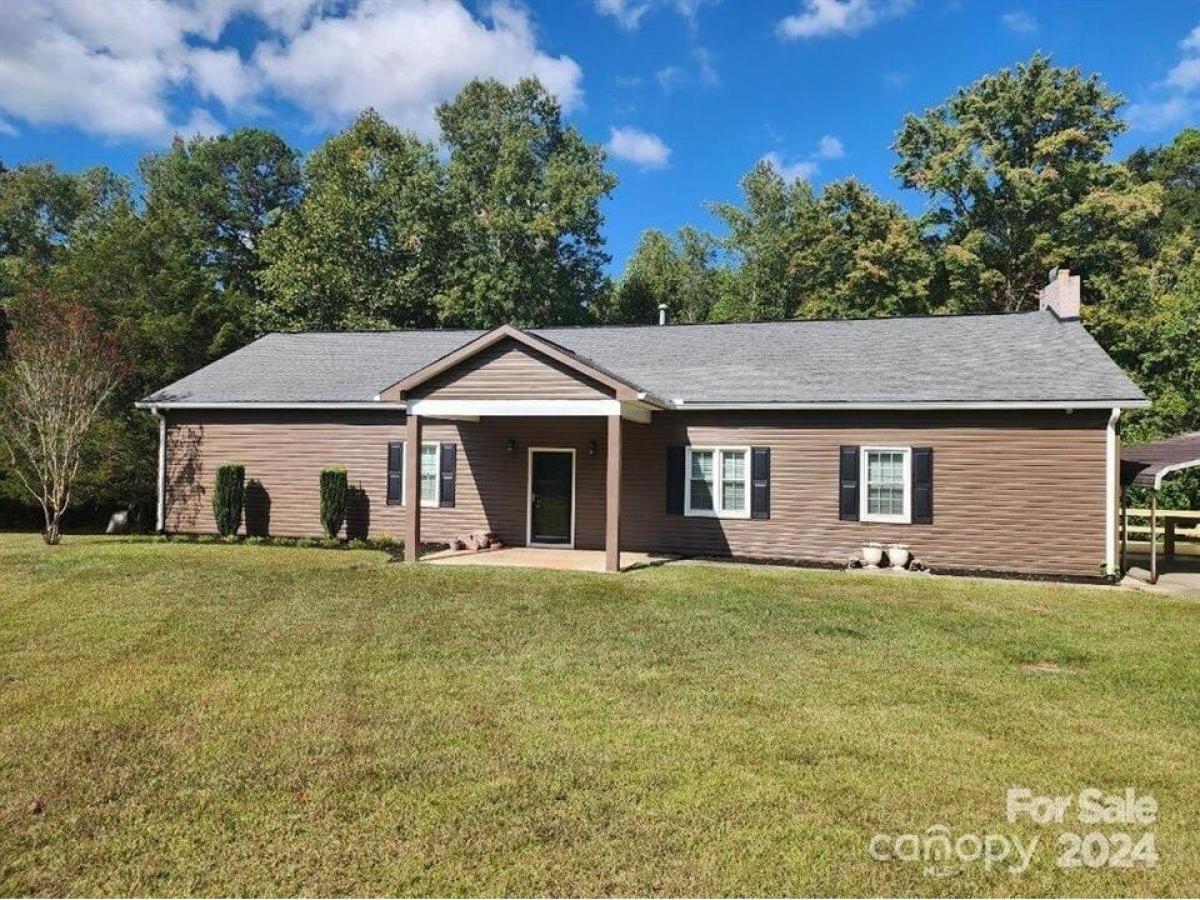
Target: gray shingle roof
(1021,357)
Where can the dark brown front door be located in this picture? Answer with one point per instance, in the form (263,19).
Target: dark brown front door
(551,500)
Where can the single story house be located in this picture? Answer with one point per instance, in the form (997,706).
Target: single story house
(982,442)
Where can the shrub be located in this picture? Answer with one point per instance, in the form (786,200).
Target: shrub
(256,540)
(357,544)
(229,494)
(334,492)
(330,543)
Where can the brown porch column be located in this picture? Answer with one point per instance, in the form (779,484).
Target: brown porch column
(612,527)
(412,488)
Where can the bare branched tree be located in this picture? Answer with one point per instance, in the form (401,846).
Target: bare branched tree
(60,372)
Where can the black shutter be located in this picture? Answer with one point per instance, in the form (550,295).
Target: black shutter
(848,485)
(760,482)
(922,485)
(395,473)
(675,476)
(449,457)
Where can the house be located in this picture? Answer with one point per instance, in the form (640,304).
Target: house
(984,443)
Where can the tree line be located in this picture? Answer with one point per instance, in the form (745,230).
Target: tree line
(227,237)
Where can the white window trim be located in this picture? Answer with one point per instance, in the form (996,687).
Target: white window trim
(718,511)
(437,456)
(864,486)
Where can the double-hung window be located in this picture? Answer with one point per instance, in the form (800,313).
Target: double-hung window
(431,474)
(886,495)
(717,482)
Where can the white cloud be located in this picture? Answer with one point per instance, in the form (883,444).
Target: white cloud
(1191,43)
(118,69)
(628,15)
(830,147)
(802,169)
(1159,115)
(404,57)
(645,150)
(1186,74)
(822,18)
(1019,22)
(669,78)
(1177,102)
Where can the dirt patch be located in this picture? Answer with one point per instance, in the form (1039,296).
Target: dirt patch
(1045,668)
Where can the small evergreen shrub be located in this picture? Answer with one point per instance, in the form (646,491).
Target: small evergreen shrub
(357,544)
(334,492)
(229,495)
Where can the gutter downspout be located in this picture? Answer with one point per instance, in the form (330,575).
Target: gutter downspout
(160,524)
(1111,477)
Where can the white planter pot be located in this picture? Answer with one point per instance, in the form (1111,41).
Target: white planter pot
(872,555)
(898,556)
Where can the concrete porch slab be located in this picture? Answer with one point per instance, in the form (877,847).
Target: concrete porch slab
(542,558)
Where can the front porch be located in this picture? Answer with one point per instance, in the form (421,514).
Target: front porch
(571,447)
(545,558)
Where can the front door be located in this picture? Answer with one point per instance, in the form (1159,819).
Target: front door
(551,498)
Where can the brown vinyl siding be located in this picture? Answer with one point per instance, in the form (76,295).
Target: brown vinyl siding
(1019,491)
(507,371)
(284,452)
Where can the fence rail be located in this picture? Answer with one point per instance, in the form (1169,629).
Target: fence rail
(1171,529)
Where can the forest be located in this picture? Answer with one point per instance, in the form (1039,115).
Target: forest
(218,240)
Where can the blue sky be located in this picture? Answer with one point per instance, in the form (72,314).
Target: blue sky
(687,94)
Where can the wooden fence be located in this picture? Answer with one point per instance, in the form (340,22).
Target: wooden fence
(1178,531)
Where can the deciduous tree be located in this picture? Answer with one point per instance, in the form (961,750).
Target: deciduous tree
(60,372)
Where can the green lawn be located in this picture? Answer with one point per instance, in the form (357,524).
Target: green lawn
(195,719)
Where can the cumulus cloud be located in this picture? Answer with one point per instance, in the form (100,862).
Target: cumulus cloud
(645,150)
(824,18)
(119,70)
(1178,100)
(830,147)
(404,57)
(1019,22)
(801,169)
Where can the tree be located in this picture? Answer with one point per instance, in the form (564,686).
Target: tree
(524,194)
(365,249)
(869,259)
(679,273)
(843,253)
(60,373)
(208,201)
(1015,164)
(1176,167)
(775,218)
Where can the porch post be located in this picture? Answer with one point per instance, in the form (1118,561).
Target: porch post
(612,529)
(1154,537)
(412,488)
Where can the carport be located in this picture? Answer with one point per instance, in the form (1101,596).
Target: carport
(1146,465)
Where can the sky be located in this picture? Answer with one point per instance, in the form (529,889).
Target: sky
(686,95)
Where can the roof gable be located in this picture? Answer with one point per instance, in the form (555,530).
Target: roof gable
(552,355)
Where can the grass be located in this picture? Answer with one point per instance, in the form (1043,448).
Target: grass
(206,719)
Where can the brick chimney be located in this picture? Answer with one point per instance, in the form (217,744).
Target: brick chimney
(1061,295)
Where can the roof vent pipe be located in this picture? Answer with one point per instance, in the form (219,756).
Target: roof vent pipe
(1061,295)
(662,314)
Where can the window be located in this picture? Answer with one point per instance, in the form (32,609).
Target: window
(431,474)
(717,482)
(887,484)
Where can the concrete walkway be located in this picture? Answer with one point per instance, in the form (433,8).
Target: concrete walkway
(1179,576)
(542,558)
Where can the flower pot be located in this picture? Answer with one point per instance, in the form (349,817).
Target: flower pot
(872,555)
(898,556)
